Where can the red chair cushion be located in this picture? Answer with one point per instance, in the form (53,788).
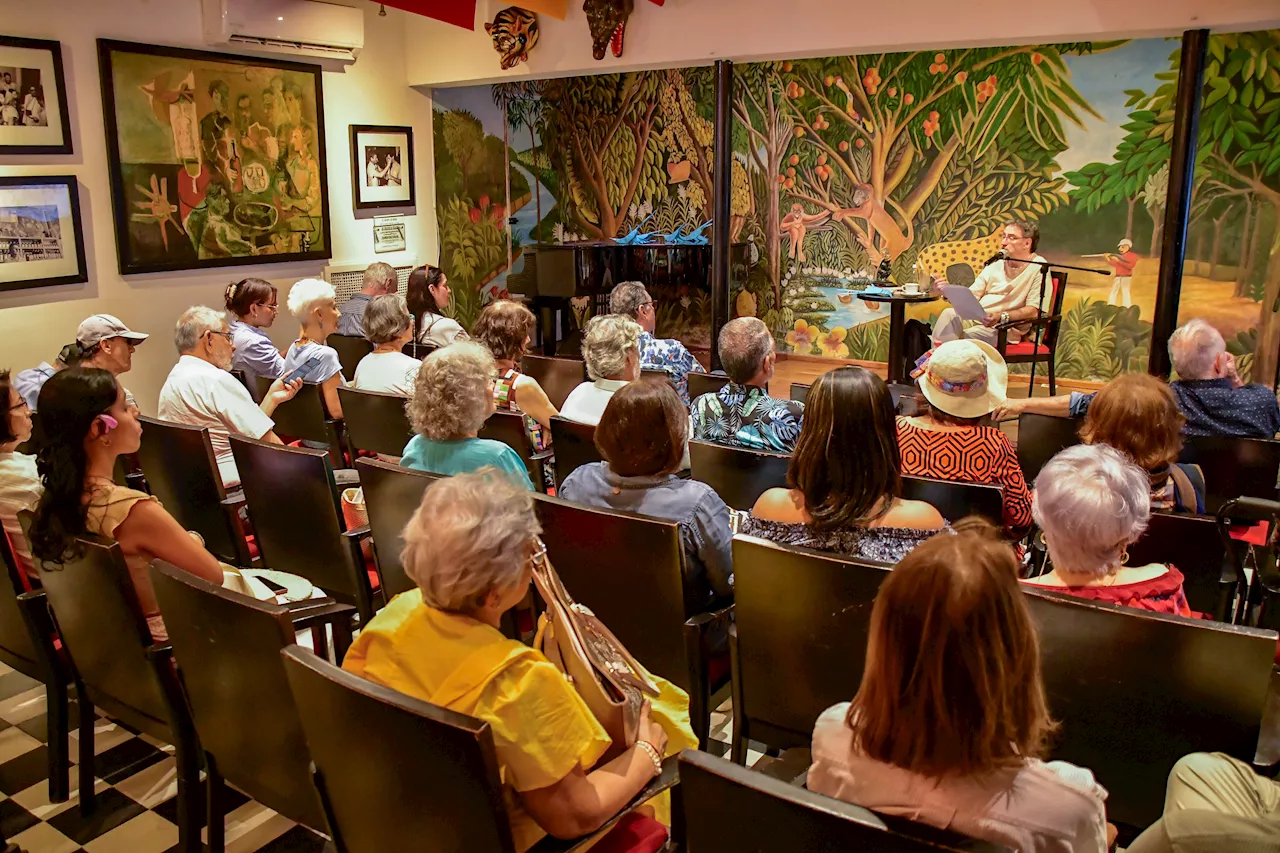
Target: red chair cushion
(633,833)
(375,580)
(1026,348)
(717,669)
(1254,534)
(252,542)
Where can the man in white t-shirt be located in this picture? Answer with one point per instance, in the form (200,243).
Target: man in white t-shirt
(1008,290)
(201,391)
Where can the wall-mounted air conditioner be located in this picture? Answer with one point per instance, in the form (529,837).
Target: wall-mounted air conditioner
(307,29)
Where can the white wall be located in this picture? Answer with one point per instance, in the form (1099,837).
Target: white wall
(692,32)
(34,324)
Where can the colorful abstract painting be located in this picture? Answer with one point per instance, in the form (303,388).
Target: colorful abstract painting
(215,160)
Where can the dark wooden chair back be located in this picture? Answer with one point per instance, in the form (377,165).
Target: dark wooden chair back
(17,641)
(304,416)
(417,350)
(557,376)
(1136,691)
(228,646)
(508,427)
(655,376)
(418,772)
(955,500)
(739,476)
(1058,281)
(729,809)
(575,446)
(391,496)
(1042,437)
(375,422)
(350,350)
(705,383)
(182,473)
(251,385)
(799,392)
(1234,467)
(1192,543)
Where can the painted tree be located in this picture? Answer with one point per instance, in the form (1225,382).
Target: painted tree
(758,110)
(464,137)
(522,103)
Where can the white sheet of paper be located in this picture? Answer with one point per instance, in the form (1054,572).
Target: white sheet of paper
(964,302)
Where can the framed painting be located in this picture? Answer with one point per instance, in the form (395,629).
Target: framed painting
(41,241)
(381,166)
(33,98)
(215,160)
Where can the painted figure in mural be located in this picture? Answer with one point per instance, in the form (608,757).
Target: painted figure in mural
(302,185)
(514,33)
(1123,264)
(796,224)
(1007,290)
(215,122)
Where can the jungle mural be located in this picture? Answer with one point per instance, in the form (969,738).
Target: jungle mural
(917,158)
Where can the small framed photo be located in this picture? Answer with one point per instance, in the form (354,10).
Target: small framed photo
(33,98)
(41,241)
(381,166)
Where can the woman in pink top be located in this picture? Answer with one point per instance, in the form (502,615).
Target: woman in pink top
(950,721)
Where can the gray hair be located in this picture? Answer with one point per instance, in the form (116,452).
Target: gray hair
(383,276)
(606,342)
(194,323)
(1194,347)
(1091,501)
(385,319)
(627,298)
(306,293)
(471,534)
(452,394)
(744,345)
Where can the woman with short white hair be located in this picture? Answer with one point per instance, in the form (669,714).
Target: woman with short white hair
(611,348)
(450,403)
(314,303)
(1092,503)
(388,326)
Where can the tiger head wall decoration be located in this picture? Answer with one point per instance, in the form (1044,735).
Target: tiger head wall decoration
(514,32)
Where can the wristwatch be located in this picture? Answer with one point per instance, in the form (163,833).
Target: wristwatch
(1004,317)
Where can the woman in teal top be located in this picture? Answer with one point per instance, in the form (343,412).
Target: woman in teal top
(451,401)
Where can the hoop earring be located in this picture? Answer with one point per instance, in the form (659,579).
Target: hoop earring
(1124,556)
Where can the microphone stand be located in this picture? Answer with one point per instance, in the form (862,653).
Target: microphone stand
(1044,279)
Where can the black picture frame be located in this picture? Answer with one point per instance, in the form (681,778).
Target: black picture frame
(54,49)
(360,191)
(70,184)
(129,261)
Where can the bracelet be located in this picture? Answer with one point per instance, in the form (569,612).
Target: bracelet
(1004,316)
(652,751)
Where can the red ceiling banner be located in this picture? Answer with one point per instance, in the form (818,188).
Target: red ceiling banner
(460,13)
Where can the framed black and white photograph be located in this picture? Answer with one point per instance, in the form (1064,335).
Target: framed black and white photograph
(33,98)
(381,166)
(41,241)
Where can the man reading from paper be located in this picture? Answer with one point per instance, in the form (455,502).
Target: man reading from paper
(1006,290)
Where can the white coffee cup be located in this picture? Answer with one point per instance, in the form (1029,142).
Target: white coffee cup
(911,288)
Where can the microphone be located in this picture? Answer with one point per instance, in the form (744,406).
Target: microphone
(998,256)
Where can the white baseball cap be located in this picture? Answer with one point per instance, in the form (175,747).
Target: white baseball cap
(100,327)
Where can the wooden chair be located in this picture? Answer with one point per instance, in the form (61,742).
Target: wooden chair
(904,402)
(575,446)
(417,350)
(391,495)
(182,473)
(1234,467)
(656,376)
(1042,437)
(1260,603)
(375,422)
(304,417)
(799,392)
(350,350)
(955,500)
(508,427)
(29,644)
(1026,351)
(629,569)
(739,476)
(420,772)
(705,383)
(120,669)
(729,809)
(297,521)
(557,376)
(1193,544)
(228,649)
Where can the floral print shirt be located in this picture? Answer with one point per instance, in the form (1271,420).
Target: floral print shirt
(746,416)
(671,356)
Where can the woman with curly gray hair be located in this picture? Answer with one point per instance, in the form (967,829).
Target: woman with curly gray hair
(611,349)
(1092,503)
(451,401)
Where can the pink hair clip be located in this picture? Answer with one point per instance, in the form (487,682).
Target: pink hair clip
(109,422)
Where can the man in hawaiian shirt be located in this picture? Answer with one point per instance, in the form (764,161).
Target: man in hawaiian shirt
(632,299)
(742,414)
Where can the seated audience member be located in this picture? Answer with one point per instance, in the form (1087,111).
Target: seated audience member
(19,479)
(1214,802)
(28,382)
(845,479)
(255,304)
(470,548)
(427,295)
(312,302)
(962,382)
(87,423)
(642,437)
(451,401)
(103,341)
(504,327)
(1092,503)
(950,722)
(380,279)
(1137,414)
(388,326)
(611,350)
(201,391)
(742,414)
(633,300)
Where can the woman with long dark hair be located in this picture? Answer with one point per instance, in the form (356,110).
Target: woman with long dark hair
(427,295)
(86,423)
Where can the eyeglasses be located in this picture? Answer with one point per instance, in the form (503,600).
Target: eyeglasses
(21,404)
(226,335)
(270,306)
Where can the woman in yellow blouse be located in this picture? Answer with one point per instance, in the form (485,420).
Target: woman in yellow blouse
(469,548)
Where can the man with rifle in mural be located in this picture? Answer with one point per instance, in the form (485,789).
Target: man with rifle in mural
(1123,264)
